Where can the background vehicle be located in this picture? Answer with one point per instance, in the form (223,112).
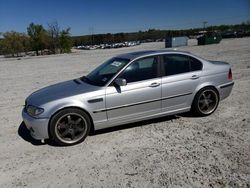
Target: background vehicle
(127,88)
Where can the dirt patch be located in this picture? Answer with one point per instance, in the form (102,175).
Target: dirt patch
(179,151)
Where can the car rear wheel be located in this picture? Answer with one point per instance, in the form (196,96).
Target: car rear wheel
(70,126)
(206,101)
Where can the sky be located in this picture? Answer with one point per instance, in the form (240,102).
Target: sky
(111,16)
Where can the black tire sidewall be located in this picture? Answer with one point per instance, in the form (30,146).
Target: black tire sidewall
(61,113)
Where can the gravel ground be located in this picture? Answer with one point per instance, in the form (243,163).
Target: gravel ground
(175,151)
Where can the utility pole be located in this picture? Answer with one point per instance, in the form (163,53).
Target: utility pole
(204,25)
(91,32)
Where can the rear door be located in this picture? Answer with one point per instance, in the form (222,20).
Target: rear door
(181,76)
(142,94)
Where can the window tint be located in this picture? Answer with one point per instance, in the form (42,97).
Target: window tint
(176,64)
(195,64)
(139,70)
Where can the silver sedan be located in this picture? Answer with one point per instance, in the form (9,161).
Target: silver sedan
(127,88)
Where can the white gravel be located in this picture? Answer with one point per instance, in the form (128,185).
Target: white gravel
(176,151)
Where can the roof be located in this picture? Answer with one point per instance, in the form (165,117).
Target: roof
(134,55)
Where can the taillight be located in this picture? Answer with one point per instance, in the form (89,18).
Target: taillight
(230,75)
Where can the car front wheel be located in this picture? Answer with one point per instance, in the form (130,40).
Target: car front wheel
(206,101)
(70,126)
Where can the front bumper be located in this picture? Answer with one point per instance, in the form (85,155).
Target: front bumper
(38,127)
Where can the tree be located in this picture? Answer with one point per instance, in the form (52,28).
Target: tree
(1,46)
(65,41)
(38,36)
(14,43)
(54,35)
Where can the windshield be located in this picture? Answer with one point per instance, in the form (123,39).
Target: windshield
(102,74)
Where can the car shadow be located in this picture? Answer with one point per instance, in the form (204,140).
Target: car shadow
(133,125)
(24,133)
(143,123)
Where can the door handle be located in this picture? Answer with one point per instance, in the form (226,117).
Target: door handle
(155,84)
(194,77)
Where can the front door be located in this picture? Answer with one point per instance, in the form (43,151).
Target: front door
(140,97)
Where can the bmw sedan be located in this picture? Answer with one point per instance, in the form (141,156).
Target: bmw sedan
(127,88)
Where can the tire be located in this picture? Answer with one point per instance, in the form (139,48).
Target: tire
(70,126)
(206,101)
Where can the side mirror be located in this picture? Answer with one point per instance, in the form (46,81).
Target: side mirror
(120,82)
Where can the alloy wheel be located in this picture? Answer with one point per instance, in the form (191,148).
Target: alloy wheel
(70,128)
(208,101)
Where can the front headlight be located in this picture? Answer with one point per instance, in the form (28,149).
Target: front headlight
(34,111)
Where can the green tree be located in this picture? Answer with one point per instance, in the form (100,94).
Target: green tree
(14,43)
(65,41)
(38,36)
(54,37)
(1,46)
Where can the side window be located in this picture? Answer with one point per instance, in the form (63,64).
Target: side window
(142,69)
(176,64)
(195,64)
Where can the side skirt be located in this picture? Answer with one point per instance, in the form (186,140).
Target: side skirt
(108,124)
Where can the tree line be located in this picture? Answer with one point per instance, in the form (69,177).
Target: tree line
(151,34)
(54,40)
(42,41)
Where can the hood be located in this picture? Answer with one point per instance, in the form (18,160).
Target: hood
(59,91)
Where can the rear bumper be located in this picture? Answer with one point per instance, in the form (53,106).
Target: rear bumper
(38,127)
(225,90)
